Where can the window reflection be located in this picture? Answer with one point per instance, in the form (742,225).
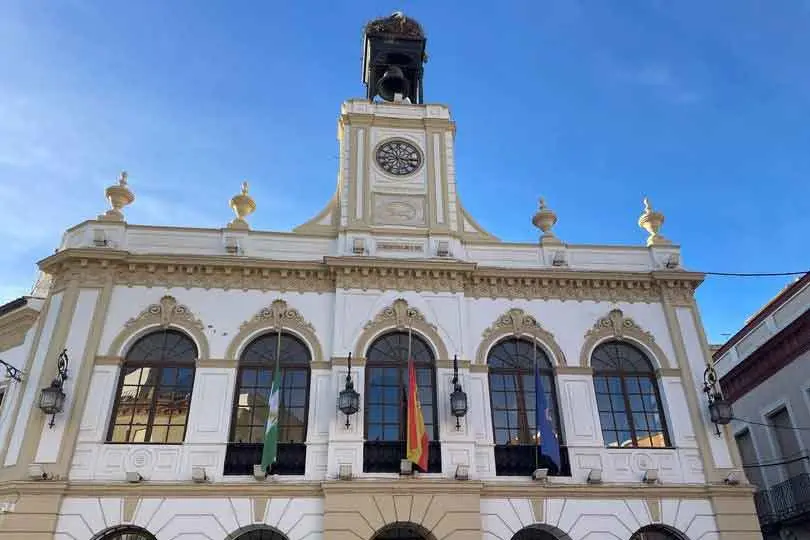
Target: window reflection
(627,397)
(254,386)
(155,388)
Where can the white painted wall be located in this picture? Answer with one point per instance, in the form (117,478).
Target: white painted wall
(589,519)
(28,405)
(190,519)
(16,356)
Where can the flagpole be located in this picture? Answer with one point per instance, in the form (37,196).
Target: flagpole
(536,409)
(407,388)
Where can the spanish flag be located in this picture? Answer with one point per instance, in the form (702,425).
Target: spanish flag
(417,443)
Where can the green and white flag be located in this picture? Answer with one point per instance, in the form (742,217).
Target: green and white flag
(270,450)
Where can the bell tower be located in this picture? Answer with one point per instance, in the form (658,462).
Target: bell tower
(396,191)
(393,54)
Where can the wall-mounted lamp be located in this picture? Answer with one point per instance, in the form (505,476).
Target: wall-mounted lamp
(720,411)
(12,372)
(349,398)
(52,398)
(458,399)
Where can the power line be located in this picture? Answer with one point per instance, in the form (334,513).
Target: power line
(756,274)
(773,463)
(774,426)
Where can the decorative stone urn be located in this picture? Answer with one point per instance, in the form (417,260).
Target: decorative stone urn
(242,205)
(651,221)
(544,219)
(119,196)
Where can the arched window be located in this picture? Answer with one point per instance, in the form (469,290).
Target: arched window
(154,390)
(403,530)
(657,532)
(630,408)
(125,532)
(257,532)
(386,401)
(251,405)
(540,532)
(513,402)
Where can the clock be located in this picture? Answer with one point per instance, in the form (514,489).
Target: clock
(398,157)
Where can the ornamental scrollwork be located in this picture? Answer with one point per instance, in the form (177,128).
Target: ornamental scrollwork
(518,323)
(616,326)
(400,316)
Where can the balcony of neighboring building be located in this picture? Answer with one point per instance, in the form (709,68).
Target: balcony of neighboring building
(784,504)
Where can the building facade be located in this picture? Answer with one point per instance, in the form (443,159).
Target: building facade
(170,336)
(765,372)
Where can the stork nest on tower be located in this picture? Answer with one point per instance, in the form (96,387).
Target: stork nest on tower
(397,24)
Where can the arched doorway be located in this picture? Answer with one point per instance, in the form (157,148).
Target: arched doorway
(540,532)
(256,532)
(657,532)
(403,530)
(125,532)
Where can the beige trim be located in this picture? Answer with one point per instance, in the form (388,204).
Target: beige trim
(448,364)
(379,121)
(109,360)
(573,370)
(654,507)
(315,228)
(81,389)
(351,206)
(731,443)
(128,511)
(479,368)
(518,323)
(278,315)
(692,402)
(399,316)
(46,307)
(615,326)
(259,505)
(92,266)
(343,361)
(667,372)
(217,363)
(36,420)
(165,314)
(322,365)
(15,325)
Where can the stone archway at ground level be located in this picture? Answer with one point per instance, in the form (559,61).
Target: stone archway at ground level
(540,532)
(658,532)
(403,530)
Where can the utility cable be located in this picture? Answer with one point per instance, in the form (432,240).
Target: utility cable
(774,426)
(774,463)
(756,274)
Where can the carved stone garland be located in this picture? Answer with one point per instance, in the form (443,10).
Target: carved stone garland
(516,322)
(276,315)
(398,316)
(166,313)
(618,327)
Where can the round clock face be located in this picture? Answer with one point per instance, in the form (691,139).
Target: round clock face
(398,157)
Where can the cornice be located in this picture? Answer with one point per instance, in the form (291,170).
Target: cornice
(92,266)
(409,486)
(15,325)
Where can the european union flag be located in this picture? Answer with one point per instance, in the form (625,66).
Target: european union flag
(549,445)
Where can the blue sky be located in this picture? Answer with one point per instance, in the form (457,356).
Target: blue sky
(703,106)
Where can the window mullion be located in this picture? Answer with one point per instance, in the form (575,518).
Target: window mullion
(150,419)
(628,410)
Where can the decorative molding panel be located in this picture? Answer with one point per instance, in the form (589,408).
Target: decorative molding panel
(616,326)
(400,210)
(518,323)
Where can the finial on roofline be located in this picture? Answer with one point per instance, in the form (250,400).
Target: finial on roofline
(242,205)
(119,195)
(651,221)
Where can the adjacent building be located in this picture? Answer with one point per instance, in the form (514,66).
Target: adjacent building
(142,366)
(765,372)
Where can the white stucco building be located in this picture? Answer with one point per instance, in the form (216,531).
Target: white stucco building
(171,335)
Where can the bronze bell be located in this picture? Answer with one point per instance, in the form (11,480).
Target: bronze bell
(392,82)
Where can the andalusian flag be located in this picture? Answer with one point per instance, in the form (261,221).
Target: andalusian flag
(417,439)
(270,450)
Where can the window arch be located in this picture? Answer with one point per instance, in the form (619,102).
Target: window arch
(154,390)
(627,395)
(386,400)
(251,404)
(513,401)
(657,532)
(540,532)
(125,532)
(257,532)
(403,530)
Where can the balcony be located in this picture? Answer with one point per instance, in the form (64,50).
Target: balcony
(241,457)
(522,460)
(384,456)
(784,503)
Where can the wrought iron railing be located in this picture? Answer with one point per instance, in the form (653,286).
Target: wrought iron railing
(241,457)
(784,501)
(523,459)
(385,456)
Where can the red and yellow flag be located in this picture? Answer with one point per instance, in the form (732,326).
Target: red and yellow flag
(417,443)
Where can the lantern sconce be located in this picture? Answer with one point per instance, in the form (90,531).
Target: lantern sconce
(52,398)
(458,399)
(720,411)
(12,372)
(349,398)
